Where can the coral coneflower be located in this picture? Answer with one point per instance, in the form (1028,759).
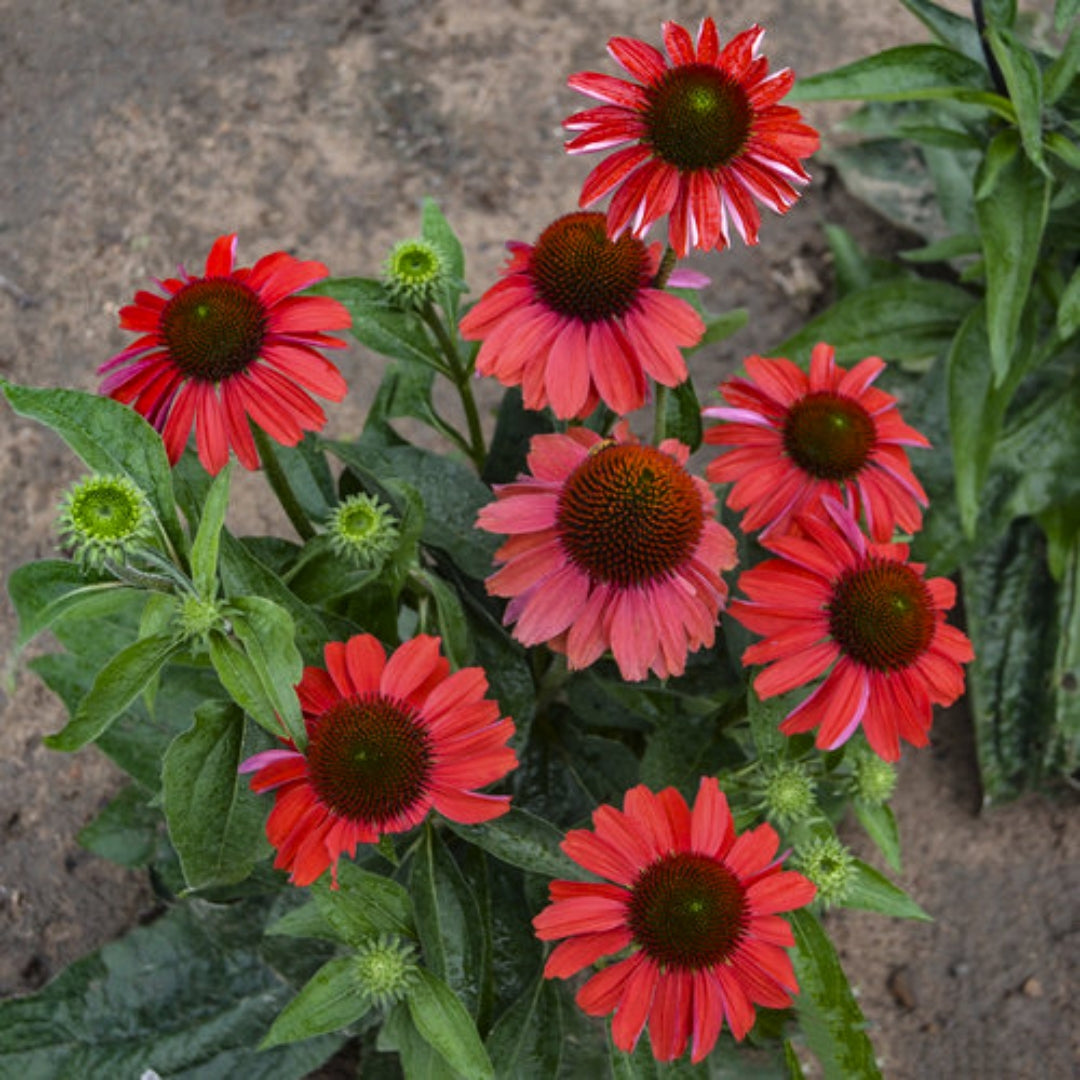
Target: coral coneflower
(698,908)
(835,602)
(612,546)
(576,319)
(231,345)
(796,438)
(388,740)
(706,136)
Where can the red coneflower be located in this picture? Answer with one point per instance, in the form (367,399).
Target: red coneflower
(612,546)
(798,438)
(231,345)
(707,137)
(696,906)
(388,740)
(835,602)
(576,319)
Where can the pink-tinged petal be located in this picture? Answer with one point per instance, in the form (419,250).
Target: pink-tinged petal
(616,370)
(679,45)
(639,58)
(737,1007)
(604,991)
(773,930)
(708,42)
(365,660)
(785,890)
(307,367)
(299,314)
(708,1015)
(268,758)
(459,690)
(178,425)
(850,699)
(633,1010)
(529,512)
(219,263)
(798,670)
(608,88)
(335,657)
(239,428)
(593,914)
(567,376)
(852,383)
(823,370)
(210,433)
(670,1018)
(712,830)
(600,857)
(611,172)
(570,956)
(779,378)
(646,811)
(279,275)
(526,569)
(414,670)
(587,640)
(469,807)
(766,974)
(552,607)
(317,691)
(752,852)
(618,830)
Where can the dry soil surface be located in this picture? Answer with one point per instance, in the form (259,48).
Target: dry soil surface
(133,133)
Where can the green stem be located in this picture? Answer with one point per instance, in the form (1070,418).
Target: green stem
(279,482)
(660,416)
(667,264)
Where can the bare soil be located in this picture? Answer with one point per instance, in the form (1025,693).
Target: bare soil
(132,134)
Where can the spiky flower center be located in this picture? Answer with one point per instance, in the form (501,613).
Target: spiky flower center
(697,117)
(828,435)
(789,792)
(414,272)
(363,530)
(214,328)
(629,514)
(830,866)
(385,969)
(882,614)
(370,759)
(688,911)
(578,272)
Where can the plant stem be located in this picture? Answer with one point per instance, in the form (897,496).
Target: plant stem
(660,416)
(667,264)
(279,482)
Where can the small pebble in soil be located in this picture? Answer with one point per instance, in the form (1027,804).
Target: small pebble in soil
(1032,988)
(899,984)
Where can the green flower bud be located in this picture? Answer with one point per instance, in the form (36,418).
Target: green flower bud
(787,793)
(415,272)
(363,531)
(197,618)
(103,518)
(873,780)
(830,866)
(386,969)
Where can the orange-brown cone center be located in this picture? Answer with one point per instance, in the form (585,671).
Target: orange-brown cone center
(829,436)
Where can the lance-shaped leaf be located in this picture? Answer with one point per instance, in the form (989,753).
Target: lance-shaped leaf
(522,840)
(333,999)
(204,551)
(873,891)
(526,1042)
(446,1026)
(215,821)
(364,905)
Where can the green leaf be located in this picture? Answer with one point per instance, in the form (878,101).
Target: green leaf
(904,319)
(266,632)
(718,326)
(117,685)
(1063,752)
(364,905)
(204,551)
(126,831)
(1000,13)
(436,230)
(110,438)
(450,616)
(50,589)
(873,891)
(445,1025)
(880,824)
(1064,13)
(682,415)
(333,999)
(765,719)
(189,995)
(901,74)
(447,919)
(1058,77)
(830,1017)
(1024,83)
(215,821)
(1068,313)
(515,427)
(305,921)
(1012,200)
(952,30)
(952,247)
(418,1058)
(321,575)
(526,1042)
(522,840)
(1010,603)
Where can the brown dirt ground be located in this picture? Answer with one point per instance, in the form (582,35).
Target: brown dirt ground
(132,134)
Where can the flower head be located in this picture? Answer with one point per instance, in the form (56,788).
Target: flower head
(834,602)
(414,272)
(797,438)
(830,866)
(706,137)
(103,518)
(697,908)
(787,792)
(363,530)
(388,740)
(231,346)
(576,319)
(872,779)
(612,546)
(386,969)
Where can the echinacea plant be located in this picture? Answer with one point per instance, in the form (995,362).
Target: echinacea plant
(483,754)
